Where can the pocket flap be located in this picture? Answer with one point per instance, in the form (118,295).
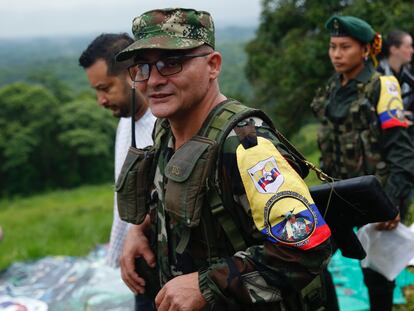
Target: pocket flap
(183,161)
(132,157)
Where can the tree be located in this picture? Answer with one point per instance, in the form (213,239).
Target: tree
(27,120)
(288,59)
(86,134)
(49,80)
(46,144)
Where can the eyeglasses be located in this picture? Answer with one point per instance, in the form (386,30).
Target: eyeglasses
(168,66)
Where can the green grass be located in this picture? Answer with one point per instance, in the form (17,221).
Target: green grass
(409,295)
(66,222)
(305,142)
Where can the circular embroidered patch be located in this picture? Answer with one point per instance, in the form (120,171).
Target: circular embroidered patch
(289,218)
(394,108)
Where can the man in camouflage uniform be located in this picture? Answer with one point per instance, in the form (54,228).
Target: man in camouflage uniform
(182,237)
(363,127)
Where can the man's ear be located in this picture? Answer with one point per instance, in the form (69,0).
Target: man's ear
(214,62)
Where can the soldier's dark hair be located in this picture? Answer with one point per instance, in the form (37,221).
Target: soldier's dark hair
(394,38)
(105,47)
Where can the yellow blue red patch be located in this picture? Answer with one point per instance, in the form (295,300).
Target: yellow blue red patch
(280,202)
(390,108)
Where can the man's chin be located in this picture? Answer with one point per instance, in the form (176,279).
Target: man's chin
(339,69)
(116,114)
(160,113)
(121,114)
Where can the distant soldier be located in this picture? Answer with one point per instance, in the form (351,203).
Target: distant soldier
(218,184)
(399,52)
(363,129)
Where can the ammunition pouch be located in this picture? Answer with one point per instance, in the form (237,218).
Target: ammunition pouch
(352,151)
(133,185)
(187,173)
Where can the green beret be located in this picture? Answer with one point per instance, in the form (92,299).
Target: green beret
(350,26)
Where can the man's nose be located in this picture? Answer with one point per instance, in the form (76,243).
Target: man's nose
(155,78)
(336,53)
(102,100)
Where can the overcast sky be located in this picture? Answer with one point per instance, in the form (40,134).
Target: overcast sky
(28,18)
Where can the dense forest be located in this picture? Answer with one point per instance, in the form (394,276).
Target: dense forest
(53,134)
(288,58)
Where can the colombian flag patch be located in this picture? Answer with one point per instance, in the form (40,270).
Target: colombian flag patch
(390,108)
(280,202)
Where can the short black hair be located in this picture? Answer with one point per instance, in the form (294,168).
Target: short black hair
(105,47)
(394,38)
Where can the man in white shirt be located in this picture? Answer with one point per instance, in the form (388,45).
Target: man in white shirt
(112,84)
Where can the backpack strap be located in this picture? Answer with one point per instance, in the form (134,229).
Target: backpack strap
(222,120)
(160,129)
(217,126)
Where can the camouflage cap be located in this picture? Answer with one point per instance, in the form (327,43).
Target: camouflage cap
(350,26)
(170,29)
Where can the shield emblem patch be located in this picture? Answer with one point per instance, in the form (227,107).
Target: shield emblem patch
(266,176)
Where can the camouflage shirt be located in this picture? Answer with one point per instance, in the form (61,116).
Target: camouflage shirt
(261,275)
(394,145)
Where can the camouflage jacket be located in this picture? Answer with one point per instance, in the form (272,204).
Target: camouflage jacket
(260,276)
(366,131)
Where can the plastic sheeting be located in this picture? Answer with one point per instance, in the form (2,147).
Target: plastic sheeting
(64,283)
(350,288)
(73,283)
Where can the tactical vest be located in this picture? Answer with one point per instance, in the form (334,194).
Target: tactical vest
(350,149)
(194,180)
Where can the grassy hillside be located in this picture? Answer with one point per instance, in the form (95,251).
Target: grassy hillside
(58,223)
(71,222)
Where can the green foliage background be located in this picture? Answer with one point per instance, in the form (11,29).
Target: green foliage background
(53,133)
(288,59)
(47,142)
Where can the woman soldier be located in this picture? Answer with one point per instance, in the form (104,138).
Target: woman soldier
(363,129)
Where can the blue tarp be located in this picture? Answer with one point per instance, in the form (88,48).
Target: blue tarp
(73,283)
(350,288)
